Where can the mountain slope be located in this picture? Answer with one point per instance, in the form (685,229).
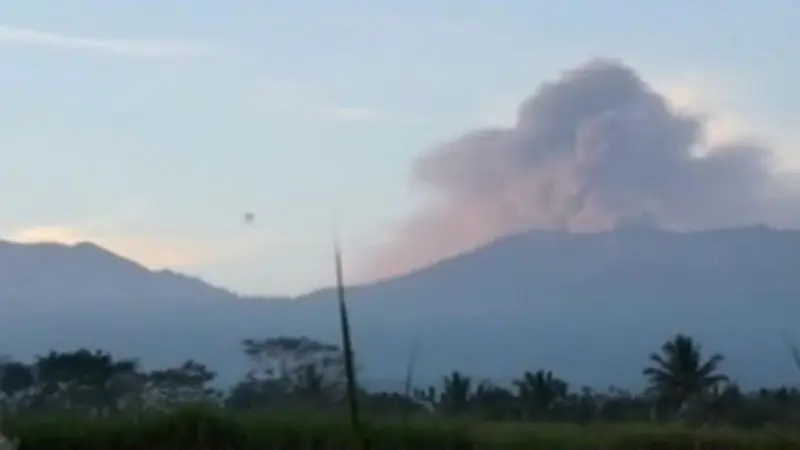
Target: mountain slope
(594,305)
(589,306)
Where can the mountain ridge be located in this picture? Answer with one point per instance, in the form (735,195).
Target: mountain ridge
(589,306)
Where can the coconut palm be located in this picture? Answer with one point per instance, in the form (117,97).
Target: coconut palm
(456,393)
(678,375)
(541,390)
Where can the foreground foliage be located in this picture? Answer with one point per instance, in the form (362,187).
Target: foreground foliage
(92,400)
(221,429)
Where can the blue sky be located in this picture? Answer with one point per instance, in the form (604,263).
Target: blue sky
(151,127)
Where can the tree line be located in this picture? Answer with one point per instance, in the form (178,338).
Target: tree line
(299,372)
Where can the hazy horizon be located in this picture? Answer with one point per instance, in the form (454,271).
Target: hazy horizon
(151,130)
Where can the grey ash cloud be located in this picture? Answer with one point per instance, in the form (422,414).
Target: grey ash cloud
(592,150)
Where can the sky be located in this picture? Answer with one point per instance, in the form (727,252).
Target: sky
(151,128)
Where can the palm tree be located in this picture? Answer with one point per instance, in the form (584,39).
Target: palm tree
(456,393)
(541,391)
(678,375)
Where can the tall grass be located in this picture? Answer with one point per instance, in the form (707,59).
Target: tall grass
(219,429)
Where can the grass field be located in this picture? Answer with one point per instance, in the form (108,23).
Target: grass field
(207,429)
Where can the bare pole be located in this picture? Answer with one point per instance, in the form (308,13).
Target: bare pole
(793,349)
(352,391)
(412,360)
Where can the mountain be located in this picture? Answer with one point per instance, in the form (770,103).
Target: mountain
(591,307)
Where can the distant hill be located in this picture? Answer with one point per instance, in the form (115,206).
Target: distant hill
(588,306)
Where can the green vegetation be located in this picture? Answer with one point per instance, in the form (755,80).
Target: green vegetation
(224,429)
(294,396)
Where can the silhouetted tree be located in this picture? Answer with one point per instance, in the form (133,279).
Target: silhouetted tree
(299,372)
(678,375)
(541,392)
(290,368)
(495,402)
(79,379)
(16,383)
(456,393)
(187,383)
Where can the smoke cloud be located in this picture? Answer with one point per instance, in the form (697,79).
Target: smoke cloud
(593,150)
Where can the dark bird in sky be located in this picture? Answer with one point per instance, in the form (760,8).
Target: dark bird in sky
(249,218)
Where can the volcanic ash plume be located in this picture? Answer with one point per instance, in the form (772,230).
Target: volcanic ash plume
(593,150)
